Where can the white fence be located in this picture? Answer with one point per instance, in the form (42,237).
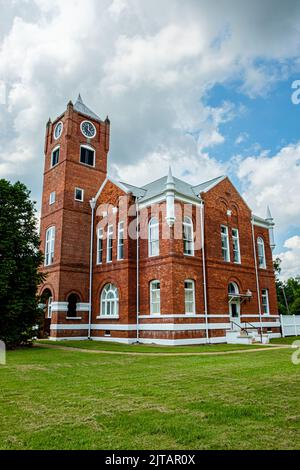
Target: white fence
(290,325)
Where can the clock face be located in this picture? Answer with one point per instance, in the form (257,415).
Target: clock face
(58,130)
(88,129)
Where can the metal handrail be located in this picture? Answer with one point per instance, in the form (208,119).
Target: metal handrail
(245,329)
(254,327)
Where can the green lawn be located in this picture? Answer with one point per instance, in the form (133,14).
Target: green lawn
(142,348)
(57,399)
(287,340)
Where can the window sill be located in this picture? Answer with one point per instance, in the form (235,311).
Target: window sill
(108,317)
(73,318)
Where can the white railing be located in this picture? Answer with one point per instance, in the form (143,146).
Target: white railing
(290,325)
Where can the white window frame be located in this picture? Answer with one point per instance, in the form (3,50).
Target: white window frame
(110,235)
(52,198)
(225,237)
(188,238)
(82,193)
(236,245)
(121,245)
(100,236)
(153,237)
(186,301)
(153,303)
(50,246)
(89,147)
(49,308)
(54,150)
(265,296)
(105,301)
(262,264)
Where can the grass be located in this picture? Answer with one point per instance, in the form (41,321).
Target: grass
(287,340)
(142,348)
(60,399)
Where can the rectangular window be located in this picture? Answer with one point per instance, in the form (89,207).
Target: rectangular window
(55,157)
(87,156)
(225,243)
(261,253)
(100,246)
(188,237)
(236,246)
(49,308)
(79,194)
(110,234)
(153,238)
(265,302)
(155,298)
(121,241)
(189,292)
(49,249)
(52,198)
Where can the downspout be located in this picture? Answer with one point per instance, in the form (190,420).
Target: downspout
(93,205)
(256,275)
(137,272)
(202,216)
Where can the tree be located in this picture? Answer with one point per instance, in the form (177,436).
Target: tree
(288,292)
(20,259)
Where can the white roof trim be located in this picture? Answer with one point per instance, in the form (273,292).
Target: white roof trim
(116,183)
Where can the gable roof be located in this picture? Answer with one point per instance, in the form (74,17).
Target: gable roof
(158,187)
(81,108)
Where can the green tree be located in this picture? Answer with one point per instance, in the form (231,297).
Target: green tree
(295,307)
(20,259)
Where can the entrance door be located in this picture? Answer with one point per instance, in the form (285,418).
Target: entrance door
(234,306)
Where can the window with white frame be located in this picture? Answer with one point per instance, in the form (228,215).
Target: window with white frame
(153,237)
(121,241)
(261,253)
(79,194)
(55,156)
(87,155)
(188,237)
(265,301)
(49,248)
(189,295)
(225,243)
(52,198)
(49,308)
(236,246)
(100,246)
(109,252)
(155,298)
(109,301)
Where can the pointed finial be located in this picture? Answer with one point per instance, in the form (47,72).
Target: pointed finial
(79,99)
(170,176)
(269,215)
(70,103)
(49,122)
(107,120)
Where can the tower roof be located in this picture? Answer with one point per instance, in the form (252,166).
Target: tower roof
(81,108)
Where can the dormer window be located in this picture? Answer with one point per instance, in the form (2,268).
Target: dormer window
(87,155)
(55,157)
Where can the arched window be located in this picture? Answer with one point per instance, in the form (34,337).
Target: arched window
(261,253)
(188,237)
(73,300)
(110,301)
(49,248)
(189,295)
(234,301)
(153,236)
(155,297)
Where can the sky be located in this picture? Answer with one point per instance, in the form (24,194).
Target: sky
(202,85)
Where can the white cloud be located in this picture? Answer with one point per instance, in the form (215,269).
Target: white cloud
(274,181)
(290,258)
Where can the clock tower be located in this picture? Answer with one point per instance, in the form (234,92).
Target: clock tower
(76,149)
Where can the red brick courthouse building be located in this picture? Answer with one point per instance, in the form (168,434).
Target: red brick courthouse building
(166,263)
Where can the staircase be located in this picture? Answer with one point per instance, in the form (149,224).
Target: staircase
(246,335)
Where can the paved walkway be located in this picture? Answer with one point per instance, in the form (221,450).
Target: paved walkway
(125,353)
